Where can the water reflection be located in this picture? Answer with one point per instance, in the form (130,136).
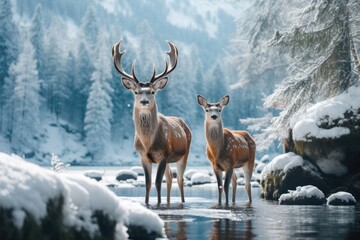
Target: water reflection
(200,217)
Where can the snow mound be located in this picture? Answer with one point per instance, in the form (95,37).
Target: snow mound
(285,162)
(341,198)
(27,189)
(308,124)
(139,170)
(306,195)
(97,175)
(189,173)
(124,175)
(200,178)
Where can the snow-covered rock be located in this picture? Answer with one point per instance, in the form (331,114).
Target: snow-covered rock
(328,133)
(188,173)
(124,175)
(341,198)
(94,174)
(139,170)
(72,205)
(306,195)
(260,167)
(200,178)
(287,171)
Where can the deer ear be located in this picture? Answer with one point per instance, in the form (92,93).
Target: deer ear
(201,100)
(160,83)
(128,83)
(224,101)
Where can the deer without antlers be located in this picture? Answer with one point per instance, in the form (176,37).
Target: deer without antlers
(227,149)
(158,139)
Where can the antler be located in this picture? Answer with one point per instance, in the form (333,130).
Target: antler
(173,55)
(117,54)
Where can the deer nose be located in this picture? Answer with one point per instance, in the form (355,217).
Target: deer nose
(144,101)
(214,117)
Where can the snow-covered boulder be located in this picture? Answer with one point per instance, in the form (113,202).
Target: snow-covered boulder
(200,178)
(286,172)
(94,174)
(124,175)
(328,133)
(306,195)
(139,170)
(174,172)
(341,199)
(49,205)
(188,173)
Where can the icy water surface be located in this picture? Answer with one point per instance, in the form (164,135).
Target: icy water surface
(200,217)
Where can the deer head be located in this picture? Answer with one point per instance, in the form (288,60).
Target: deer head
(145,92)
(213,110)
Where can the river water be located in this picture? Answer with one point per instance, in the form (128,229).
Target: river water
(200,217)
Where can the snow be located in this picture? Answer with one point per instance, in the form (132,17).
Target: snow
(27,188)
(307,124)
(140,216)
(308,191)
(138,170)
(200,178)
(129,173)
(286,162)
(94,174)
(189,173)
(342,196)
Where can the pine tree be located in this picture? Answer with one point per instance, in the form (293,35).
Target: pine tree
(99,106)
(90,30)
(180,91)
(25,100)
(321,59)
(37,39)
(149,53)
(55,87)
(9,36)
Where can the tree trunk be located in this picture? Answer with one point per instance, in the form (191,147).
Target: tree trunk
(355,56)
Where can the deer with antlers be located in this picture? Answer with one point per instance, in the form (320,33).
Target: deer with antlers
(227,149)
(158,139)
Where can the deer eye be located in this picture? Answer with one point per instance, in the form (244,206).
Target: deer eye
(152,92)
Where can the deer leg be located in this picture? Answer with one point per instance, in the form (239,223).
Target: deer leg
(247,174)
(147,170)
(181,165)
(228,177)
(234,185)
(169,178)
(218,174)
(159,177)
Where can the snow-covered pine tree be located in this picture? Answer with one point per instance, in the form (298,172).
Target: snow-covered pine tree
(82,83)
(9,46)
(90,30)
(37,39)
(321,59)
(149,52)
(25,100)
(122,124)
(99,106)
(180,91)
(54,84)
(70,78)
